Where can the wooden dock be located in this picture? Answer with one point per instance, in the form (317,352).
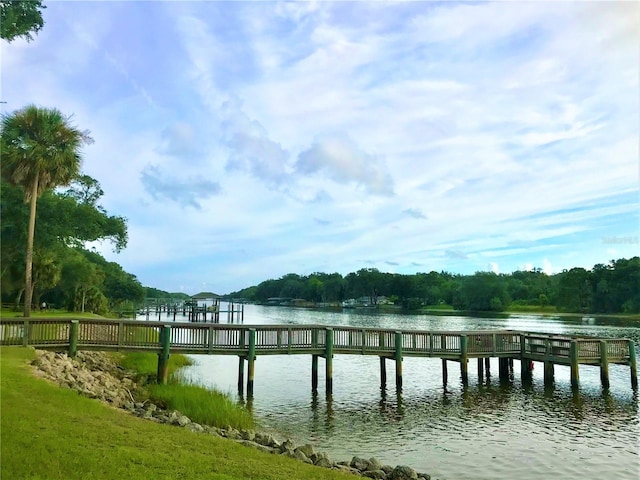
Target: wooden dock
(155,308)
(320,341)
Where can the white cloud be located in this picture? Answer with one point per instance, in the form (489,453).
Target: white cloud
(409,135)
(343,161)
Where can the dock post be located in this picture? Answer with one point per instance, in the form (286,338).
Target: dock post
(464,373)
(444,372)
(163,356)
(328,357)
(314,373)
(548,373)
(398,358)
(240,375)
(383,372)
(251,359)
(503,368)
(633,365)
(480,369)
(487,363)
(73,338)
(314,360)
(604,364)
(525,370)
(575,371)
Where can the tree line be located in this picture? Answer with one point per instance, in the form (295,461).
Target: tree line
(610,288)
(65,273)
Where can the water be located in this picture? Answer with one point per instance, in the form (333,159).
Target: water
(482,431)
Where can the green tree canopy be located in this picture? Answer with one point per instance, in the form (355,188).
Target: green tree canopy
(20,18)
(40,151)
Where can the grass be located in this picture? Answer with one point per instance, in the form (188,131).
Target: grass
(202,405)
(47,432)
(147,363)
(12,313)
(547,309)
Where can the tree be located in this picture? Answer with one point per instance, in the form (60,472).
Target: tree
(575,290)
(20,18)
(484,291)
(40,151)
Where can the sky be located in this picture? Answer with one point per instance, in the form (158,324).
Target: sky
(247,140)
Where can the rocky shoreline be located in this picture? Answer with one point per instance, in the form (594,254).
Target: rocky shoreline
(96,375)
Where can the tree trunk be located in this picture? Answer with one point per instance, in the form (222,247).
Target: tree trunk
(28,289)
(19,297)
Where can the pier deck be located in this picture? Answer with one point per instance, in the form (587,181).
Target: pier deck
(321,341)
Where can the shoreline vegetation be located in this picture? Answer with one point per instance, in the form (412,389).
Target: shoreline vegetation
(438,310)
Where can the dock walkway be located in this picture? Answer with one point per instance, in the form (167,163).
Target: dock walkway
(321,341)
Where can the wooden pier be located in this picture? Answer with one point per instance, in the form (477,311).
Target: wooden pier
(155,308)
(319,341)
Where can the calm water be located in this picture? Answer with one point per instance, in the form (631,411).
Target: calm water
(483,431)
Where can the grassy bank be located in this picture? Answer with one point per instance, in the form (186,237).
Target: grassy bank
(200,404)
(47,432)
(6,312)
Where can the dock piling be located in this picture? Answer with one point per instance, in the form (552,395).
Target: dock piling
(398,358)
(604,364)
(240,375)
(328,357)
(444,372)
(251,359)
(575,371)
(549,372)
(383,372)
(314,373)
(73,338)
(163,356)
(633,365)
(464,367)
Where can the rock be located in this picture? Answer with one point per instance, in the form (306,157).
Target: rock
(345,468)
(287,445)
(360,464)
(402,472)
(424,476)
(194,427)
(183,420)
(387,469)
(231,433)
(297,454)
(377,474)
(248,435)
(374,464)
(322,460)
(307,450)
(257,446)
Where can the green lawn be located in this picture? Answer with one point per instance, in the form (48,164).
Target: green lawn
(11,313)
(47,432)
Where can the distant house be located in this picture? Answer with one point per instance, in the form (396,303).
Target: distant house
(206,298)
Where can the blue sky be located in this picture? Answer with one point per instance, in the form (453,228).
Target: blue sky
(247,140)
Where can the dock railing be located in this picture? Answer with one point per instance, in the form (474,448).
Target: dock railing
(247,341)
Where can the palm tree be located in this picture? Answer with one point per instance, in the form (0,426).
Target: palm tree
(40,150)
